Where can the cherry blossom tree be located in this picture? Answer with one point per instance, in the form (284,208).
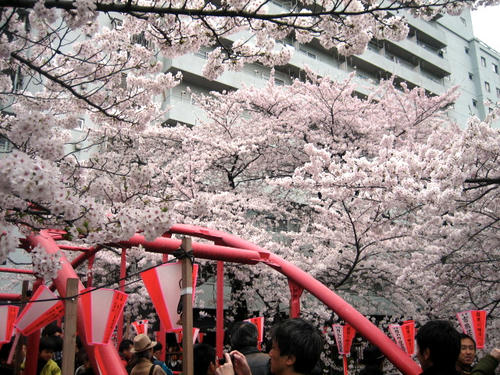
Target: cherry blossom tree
(73,65)
(371,195)
(376,196)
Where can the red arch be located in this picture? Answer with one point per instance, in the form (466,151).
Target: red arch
(229,248)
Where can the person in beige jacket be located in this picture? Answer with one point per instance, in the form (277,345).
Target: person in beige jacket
(143,357)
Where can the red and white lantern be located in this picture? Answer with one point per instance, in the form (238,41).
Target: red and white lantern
(473,323)
(343,337)
(141,326)
(8,316)
(102,308)
(44,307)
(178,334)
(404,335)
(164,285)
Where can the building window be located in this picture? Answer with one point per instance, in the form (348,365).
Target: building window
(474,102)
(494,67)
(471,76)
(463,21)
(4,145)
(309,54)
(80,123)
(483,61)
(466,50)
(487,86)
(498,92)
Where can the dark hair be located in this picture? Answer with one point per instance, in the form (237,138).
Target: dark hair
(465,336)
(203,355)
(47,343)
(124,345)
(51,329)
(372,356)
(243,334)
(302,340)
(157,347)
(443,342)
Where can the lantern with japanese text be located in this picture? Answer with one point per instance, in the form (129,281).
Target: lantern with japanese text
(164,287)
(102,308)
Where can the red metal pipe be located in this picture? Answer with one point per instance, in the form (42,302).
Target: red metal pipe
(218,237)
(219,314)
(123,272)
(90,271)
(200,250)
(33,343)
(110,359)
(16,270)
(74,248)
(162,339)
(75,263)
(10,297)
(295,293)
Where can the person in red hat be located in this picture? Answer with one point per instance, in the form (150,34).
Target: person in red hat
(143,356)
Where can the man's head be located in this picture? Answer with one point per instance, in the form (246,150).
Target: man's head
(243,334)
(297,346)
(204,359)
(125,349)
(467,350)
(157,350)
(52,329)
(143,346)
(46,348)
(438,345)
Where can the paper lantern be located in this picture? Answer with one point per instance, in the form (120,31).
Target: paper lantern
(164,287)
(8,314)
(473,323)
(101,310)
(141,326)
(43,308)
(343,337)
(404,335)
(178,334)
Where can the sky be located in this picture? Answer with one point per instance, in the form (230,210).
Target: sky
(486,25)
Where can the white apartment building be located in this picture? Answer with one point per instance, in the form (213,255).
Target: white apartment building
(437,55)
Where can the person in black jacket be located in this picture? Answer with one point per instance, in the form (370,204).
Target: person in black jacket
(244,339)
(438,348)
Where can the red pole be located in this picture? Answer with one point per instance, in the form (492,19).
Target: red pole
(295,293)
(90,272)
(33,343)
(10,297)
(123,273)
(162,339)
(16,270)
(219,316)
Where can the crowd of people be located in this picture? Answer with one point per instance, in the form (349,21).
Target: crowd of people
(296,349)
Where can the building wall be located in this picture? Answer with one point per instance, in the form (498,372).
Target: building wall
(437,56)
